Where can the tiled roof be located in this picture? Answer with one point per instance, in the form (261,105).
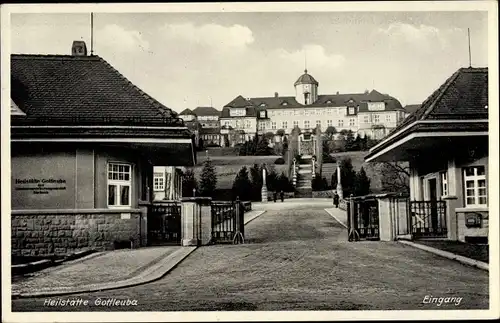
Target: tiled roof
(306,79)
(80,89)
(410,108)
(206,111)
(328,100)
(463,96)
(187,112)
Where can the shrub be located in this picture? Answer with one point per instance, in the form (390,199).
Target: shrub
(208,180)
(279,161)
(242,187)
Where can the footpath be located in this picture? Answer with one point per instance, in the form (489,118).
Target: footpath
(442,248)
(106,270)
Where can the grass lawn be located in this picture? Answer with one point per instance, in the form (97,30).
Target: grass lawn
(469,250)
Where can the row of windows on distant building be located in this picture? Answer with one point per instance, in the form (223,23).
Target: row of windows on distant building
(307,124)
(310,112)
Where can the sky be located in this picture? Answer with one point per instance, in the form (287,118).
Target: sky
(185,60)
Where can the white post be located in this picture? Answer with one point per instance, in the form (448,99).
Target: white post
(339,184)
(313,167)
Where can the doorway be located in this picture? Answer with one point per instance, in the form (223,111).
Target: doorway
(433,204)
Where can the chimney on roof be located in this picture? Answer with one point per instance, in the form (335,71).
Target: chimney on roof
(276,94)
(366,91)
(338,93)
(79,48)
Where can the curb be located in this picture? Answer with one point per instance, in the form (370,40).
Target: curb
(449,255)
(150,274)
(39,265)
(442,253)
(259,213)
(333,216)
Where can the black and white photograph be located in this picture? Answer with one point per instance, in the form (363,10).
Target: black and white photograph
(249,161)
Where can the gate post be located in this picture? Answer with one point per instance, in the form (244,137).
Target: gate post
(190,222)
(143,223)
(205,205)
(196,226)
(385,218)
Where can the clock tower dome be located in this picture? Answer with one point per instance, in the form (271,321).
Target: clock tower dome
(306,89)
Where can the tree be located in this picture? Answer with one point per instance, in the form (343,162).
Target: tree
(330,131)
(361,183)
(349,141)
(285,143)
(208,181)
(281,132)
(347,175)
(395,177)
(327,158)
(271,179)
(319,183)
(256,178)
(343,133)
(242,187)
(284,184)
(269,135)
(263,148)
(188,183)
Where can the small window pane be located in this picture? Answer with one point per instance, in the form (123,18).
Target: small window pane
(480,170)
(120,176)
(469,171)
(469,184)
(124,195)
(126,177)
(482,192)
(470,200)
(111,195)
(481,183)
(482,200)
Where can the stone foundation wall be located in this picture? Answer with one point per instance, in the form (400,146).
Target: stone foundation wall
(60,232)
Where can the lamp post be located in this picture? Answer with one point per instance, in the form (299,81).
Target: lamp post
(194,192)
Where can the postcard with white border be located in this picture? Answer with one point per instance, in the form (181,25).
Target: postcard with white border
(249,161)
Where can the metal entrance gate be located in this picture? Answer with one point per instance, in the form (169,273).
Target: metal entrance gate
(428,219)
(164,223)
(363,219)
(228,222)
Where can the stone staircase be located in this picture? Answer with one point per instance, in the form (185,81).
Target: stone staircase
(304,178)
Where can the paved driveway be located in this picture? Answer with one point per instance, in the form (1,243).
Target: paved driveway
(299,259)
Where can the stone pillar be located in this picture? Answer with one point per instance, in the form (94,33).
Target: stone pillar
(385,219)
(190,222)
(205,205)
(264,186)
(452,201)
(143,225)
(339,183)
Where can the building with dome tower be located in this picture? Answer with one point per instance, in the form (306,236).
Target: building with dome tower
(368,113)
